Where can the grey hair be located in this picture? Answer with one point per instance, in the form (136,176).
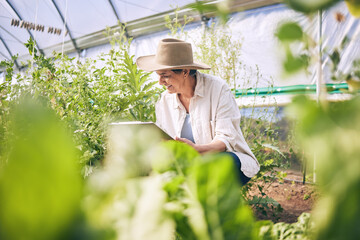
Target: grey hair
(192,71)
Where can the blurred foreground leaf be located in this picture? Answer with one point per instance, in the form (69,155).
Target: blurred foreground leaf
(354,7)
(294,64)
(310,6)
(125,195)
(332,134)
(40,185)
(217,189)
(133,208)
(290,31)
(184,157)
(221,8)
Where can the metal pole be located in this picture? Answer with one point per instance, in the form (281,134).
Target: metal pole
(304,167)
(320,73)
(319,82)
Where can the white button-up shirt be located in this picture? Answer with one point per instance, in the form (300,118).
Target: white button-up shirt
(214,115)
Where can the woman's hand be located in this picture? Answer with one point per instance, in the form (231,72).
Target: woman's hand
(216,146)
(187,141)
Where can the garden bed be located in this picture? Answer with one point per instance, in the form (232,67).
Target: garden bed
(293,196)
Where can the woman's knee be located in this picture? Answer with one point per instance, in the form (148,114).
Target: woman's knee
(240,175)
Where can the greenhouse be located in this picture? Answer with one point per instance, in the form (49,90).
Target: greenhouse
(179,119)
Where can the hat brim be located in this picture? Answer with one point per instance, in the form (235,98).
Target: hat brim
(148,63)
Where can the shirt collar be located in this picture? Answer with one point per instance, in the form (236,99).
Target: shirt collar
(176,101)
(199,90)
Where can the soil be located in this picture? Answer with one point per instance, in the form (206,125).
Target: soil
(293,196)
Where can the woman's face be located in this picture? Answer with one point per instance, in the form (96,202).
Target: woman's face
(174,82)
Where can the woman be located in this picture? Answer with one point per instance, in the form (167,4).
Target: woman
(198,109)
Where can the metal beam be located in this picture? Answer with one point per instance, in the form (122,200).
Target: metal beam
(67,28)
(11,35)
(11,55)
(4,56)
(118,18)
(18,15)
(204,19)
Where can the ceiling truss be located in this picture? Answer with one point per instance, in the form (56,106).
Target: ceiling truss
(139,27)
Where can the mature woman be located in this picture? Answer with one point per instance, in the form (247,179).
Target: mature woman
(198,109)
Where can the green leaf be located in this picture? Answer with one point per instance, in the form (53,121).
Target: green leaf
(274,148)
(184,157)
(221,9)
(215,186)
(344,42)
(354,7)
(310,6)
(294,64)
(289,32)
(335,58)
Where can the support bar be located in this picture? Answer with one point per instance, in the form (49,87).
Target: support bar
(11,55)
(118,18)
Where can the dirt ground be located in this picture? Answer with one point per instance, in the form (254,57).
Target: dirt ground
(293,196)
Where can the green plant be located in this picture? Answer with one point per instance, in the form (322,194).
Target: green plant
(218,48)
(302,229)
(306,196)
(5,90)
(85,96)
(263,136)
(260,183)
(177,25)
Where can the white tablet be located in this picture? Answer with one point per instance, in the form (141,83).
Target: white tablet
(142,125)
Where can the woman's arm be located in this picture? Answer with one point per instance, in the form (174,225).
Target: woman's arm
(215,146)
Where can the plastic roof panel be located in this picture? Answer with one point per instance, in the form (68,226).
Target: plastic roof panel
(39,12)
(4,52)
(14,45)
(13,37)
(85,20)
(43,13)
(84,17)
(129,10)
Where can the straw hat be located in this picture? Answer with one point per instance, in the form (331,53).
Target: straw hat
(171,54)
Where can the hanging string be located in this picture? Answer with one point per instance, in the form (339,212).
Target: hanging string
(33,50)
(33,47)
(64,30)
